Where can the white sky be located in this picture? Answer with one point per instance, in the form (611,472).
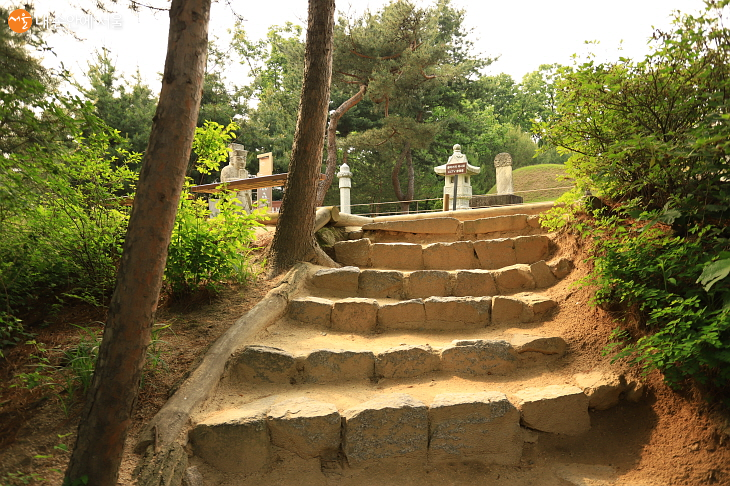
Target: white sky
(525,33)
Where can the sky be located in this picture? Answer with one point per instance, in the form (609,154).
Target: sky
(523,33)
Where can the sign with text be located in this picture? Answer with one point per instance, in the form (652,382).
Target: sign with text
(454,169)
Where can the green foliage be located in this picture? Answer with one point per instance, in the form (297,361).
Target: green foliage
(61,230)
(654,130)
(211,145)
(19,478)
(654,274)
(204,253)
(123,105)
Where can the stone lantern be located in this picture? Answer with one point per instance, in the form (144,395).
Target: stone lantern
(458,173)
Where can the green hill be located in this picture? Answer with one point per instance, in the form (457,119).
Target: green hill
(542,179)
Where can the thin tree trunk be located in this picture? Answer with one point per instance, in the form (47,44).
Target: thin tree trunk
(294,239)
(111,399)
(405,155)
(331,166)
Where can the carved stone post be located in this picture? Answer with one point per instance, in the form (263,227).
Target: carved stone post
(345,178)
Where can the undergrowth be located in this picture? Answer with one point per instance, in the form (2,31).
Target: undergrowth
(674,286)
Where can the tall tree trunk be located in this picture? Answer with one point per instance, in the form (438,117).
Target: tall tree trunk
(111,399)
(294,240)
(408,196)
(329,173)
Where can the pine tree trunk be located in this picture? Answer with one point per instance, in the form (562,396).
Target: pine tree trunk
(294,239)
(405,207)
(331,166)
(111,399)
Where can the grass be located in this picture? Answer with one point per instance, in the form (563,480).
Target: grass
(542,178)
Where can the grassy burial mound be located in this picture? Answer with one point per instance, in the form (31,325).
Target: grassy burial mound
(544,179)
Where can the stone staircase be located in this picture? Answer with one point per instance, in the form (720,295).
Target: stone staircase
(431,346)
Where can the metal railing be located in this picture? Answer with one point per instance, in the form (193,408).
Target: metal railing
(425,205)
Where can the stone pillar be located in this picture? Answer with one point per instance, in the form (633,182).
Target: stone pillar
(266,167)
(345,177)
(503,164)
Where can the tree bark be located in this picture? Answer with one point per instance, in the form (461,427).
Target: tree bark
(408,196)
(331,166)
(111,399)
(294,239)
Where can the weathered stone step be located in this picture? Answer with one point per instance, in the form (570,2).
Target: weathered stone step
(367,315)
(483,426)
(450,229)
(483,254)
(351,281)
(474,357)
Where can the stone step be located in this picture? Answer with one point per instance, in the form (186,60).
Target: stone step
(487,427)
(395,284)
(477,254)
(468,357)
(451,229)
(368,315)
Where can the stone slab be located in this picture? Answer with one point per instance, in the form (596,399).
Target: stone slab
(261,364)
(561,268)
(427,226)
(381,284)
(454,313)
(450,256)
(235,441)
(343,279)
(542,275)
(513,222)
(353,252)
(391,426)
(405,314)
(550,346)
(479,357)
(531,249)
(311,310)
(479,283)
(406,361)
(509,310)
(355,314)
(514,278)
(428,283)
(402,256)
(494,254)
(307,427)
(560,409)
(482,426)
(330,365)
(602,389)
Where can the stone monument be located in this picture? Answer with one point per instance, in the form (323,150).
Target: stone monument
(345,178)
(457,186)
(236,170)
(503,164)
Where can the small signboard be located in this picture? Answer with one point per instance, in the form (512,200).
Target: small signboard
(454,169)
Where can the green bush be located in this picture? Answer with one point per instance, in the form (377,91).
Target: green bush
(206,252)
(656,275)
(61,228)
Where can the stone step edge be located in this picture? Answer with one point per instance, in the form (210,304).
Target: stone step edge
(477,357)
(450,225)
(483,426)
(415,284)
(483,254)
(367,315)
